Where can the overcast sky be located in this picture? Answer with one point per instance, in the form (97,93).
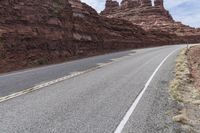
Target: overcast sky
(186,11)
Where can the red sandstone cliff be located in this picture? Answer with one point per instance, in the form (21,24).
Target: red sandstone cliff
(36,32)
(152,18)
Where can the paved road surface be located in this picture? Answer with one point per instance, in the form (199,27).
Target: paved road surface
(93,102)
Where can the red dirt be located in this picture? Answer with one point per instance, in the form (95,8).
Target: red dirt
(194,63)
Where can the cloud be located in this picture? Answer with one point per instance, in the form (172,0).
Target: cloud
(186,11)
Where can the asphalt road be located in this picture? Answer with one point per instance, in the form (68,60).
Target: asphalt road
(95,101)
(20,80)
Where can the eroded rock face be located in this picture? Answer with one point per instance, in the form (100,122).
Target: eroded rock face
(145,3)
(110,6)
(159,3)
(36,32)
(34,29)
(153,18)
(129,4)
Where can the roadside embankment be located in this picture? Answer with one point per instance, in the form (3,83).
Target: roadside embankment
(185,89)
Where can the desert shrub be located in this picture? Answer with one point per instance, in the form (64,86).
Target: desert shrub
(2,50)
(41,61)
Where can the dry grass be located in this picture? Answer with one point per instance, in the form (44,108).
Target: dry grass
(183,91)
(182,117)
(177,86)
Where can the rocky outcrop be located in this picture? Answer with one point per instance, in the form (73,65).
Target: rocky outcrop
(159,3)
(36,32)
(153,19)
(111,5)
(129,4)
(145,3)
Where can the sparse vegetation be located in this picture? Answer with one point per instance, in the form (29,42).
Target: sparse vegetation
(41,61)
(181,77)
(183,91)
(2,52)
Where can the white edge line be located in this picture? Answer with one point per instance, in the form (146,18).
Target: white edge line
(135,103)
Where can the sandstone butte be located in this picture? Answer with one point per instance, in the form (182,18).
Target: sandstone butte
(153,19)
(36,32)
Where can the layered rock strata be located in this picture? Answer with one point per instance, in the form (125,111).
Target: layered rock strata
(153,19)
(37,32)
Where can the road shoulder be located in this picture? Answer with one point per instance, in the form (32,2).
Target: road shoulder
(184,91)
(154,113)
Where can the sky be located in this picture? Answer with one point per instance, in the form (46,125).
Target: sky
(185,11)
